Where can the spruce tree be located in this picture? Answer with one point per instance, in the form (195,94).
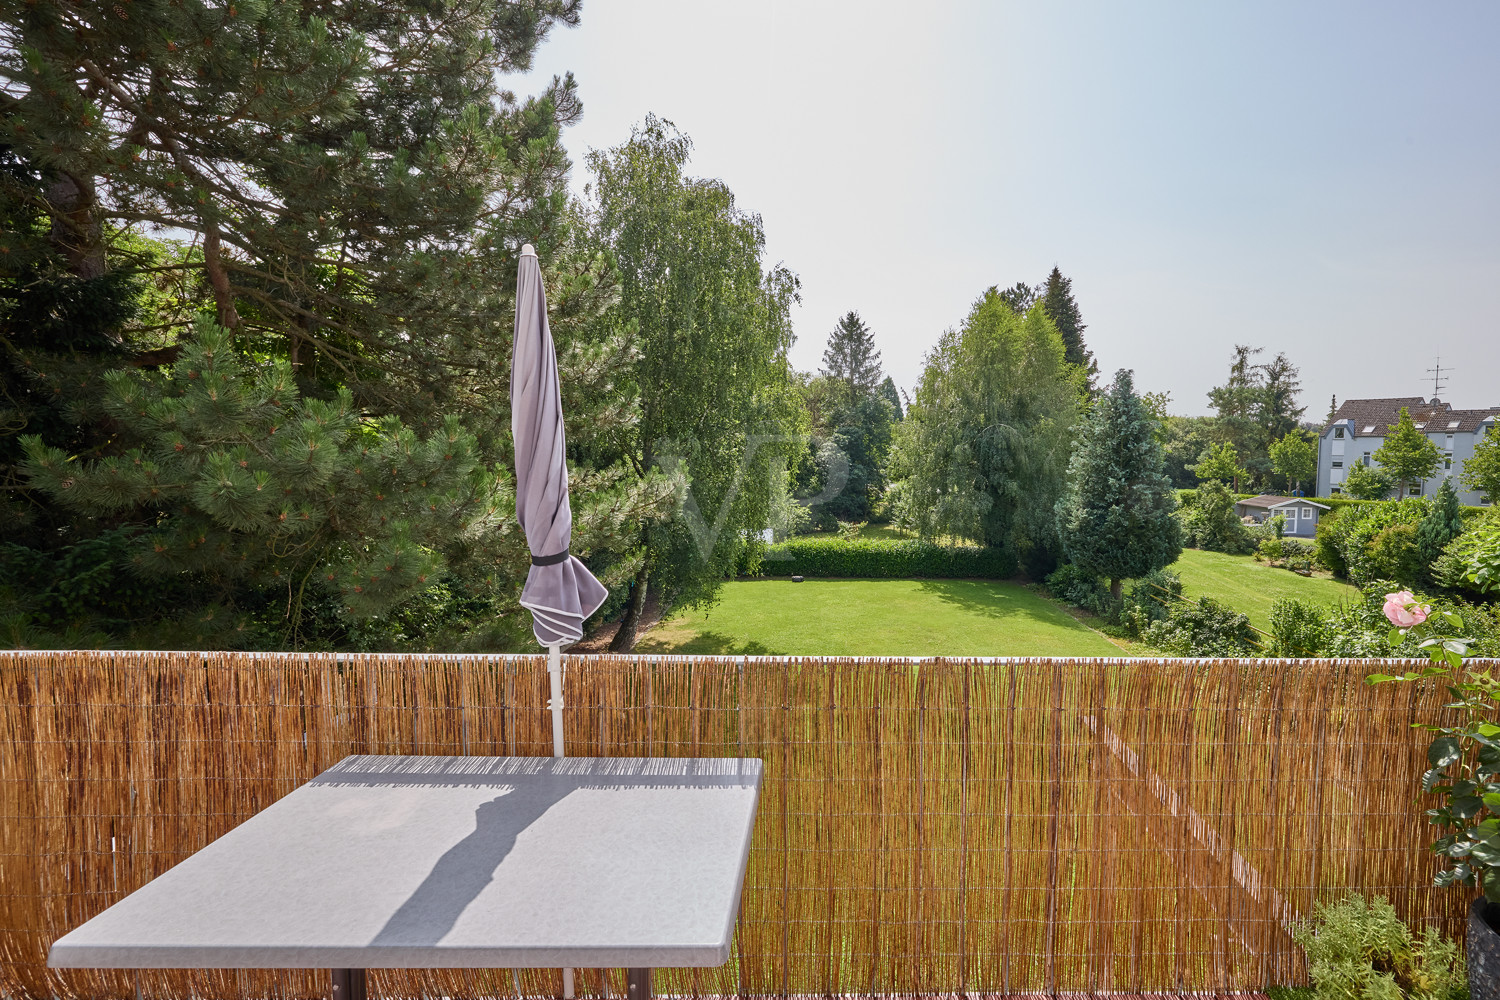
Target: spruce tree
(1116,518)
(1057,299)
(1441,525)
(1407,454)
(889,393)
(851,358)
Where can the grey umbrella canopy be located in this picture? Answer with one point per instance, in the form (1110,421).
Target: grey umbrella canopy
(560,592)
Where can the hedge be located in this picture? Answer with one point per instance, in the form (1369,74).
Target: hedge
(885,559)
(1336,504)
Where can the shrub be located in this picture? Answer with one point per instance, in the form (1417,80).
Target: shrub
(1392,555)
(1358,950)
(1471,562)
(1209,522)
(1298,628)
(1080,588)
(1204,628)
(1150,600)
(1343,540)
(885,559)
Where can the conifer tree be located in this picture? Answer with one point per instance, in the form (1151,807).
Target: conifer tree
(889,393)
(1116,518)
(1057,299)
(852,359)
(1407,454)
(1441,525)
(238,484)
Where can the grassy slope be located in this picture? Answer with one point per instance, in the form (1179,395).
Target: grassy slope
(878,618)
(1252,587)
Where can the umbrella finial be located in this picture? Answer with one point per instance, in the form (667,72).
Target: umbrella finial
(527,250)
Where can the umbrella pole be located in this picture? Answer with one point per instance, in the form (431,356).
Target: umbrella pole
(554,676)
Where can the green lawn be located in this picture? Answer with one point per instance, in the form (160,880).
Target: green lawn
(878,618)
(1251,587)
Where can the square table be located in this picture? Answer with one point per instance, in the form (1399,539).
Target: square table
(455,862)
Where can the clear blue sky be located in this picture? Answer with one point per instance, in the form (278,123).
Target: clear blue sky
(1321,179)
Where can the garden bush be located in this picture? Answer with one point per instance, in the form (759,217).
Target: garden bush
(1343,539)
(1298,628)
(1081,589)
(1150,600)
(1359,950)
(885,559)
(1203,628)
(1471,562)
(1209,521)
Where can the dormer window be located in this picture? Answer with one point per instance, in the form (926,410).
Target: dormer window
(1338,432)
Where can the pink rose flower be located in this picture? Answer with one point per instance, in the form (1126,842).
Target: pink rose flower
(1403,610)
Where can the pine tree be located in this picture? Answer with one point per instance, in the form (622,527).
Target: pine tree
(1407,454)
(1238,403)
(1333,408)
(851,358)
(1482,470)
(1057,299)
(1020,297)
(1116,518)
(237,485)
(337,209)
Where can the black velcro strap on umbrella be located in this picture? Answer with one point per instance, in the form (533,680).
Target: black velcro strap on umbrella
(551,560)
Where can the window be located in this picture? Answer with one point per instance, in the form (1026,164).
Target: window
(1338,465)
(1366,460)
(1448,441)
(1307,513)
(1422,425)
(1338,432)
(1369,429)
(1452,426)
(1447,461)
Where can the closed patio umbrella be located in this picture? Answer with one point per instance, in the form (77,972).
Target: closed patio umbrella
(560,591)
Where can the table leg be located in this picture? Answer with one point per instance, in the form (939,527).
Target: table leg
(348,984)
(637,984)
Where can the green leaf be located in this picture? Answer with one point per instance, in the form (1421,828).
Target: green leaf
(1486,854)
(1466,806)
(1492,801)
(1491,884)
(1443,751)
(1395,636)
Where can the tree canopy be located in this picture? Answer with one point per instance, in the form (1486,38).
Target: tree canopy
(1407,454)
(718,408)
(985,441)
(1116,518)
(1481,471)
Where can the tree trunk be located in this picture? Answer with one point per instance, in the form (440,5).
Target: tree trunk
(1115,586)
(76,228)
(630,623)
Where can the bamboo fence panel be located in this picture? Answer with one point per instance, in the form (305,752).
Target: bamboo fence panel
(961,826)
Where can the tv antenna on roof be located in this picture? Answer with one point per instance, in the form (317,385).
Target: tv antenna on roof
(1436,371)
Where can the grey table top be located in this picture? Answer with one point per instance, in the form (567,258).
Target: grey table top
(455,862)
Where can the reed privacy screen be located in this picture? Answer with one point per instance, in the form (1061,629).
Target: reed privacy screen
(935,826)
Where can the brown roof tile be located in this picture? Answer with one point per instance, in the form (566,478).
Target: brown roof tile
(1380,414)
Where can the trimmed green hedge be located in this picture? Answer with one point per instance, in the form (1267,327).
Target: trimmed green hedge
(885,559)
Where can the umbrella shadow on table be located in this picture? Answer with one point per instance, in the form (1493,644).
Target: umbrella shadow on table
(467,867)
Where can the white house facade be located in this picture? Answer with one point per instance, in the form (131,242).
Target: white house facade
(1359,428)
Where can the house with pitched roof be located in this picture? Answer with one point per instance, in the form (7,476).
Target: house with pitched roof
(1359,426)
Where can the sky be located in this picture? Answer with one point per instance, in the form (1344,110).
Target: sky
(1320,179)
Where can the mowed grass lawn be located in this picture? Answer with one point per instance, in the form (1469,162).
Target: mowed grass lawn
(878,618)
(1251,587)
